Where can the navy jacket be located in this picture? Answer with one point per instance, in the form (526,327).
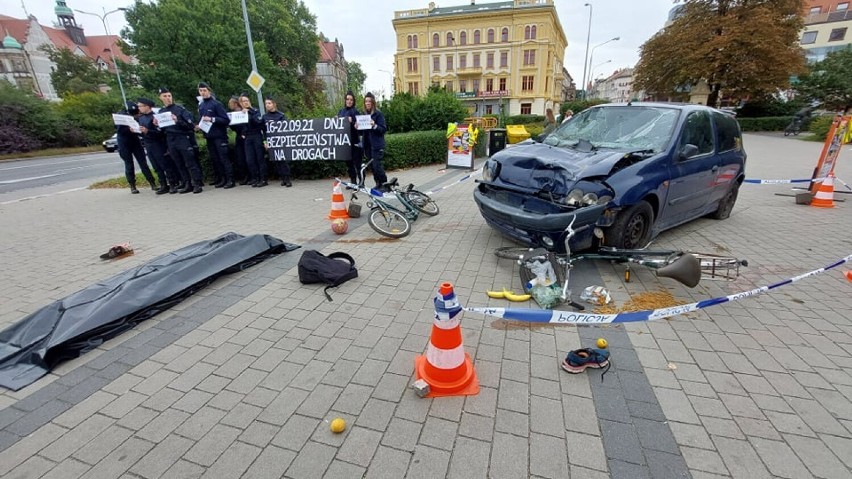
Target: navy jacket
(184,125)
(255,125)
(374,139)
(274,116)
(350,113)
(214,109)
(123,132)
(154,134)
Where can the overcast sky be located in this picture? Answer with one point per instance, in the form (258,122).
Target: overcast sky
(364,27)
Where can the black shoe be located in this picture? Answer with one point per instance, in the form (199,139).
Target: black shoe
(133,190)
(186,190)
(244,182)
(163,189)
(260,184)
(196,190)
(287,183)
(154,187)
(219,185)
(229,185)
(173,190)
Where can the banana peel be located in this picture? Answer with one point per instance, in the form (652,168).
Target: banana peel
(510,295)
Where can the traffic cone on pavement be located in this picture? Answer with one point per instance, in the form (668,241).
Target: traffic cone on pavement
(338,209)
(445,367)
(849,275)
(824,197)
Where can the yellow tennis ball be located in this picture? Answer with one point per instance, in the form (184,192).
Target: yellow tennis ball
(338,425)
(602,343)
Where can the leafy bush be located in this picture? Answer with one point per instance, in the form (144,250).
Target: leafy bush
(91,113)
(32,117)
(524,119)
(14,140)
(772,123)
(405,112)
(820,126)
(768,107)
(579,105)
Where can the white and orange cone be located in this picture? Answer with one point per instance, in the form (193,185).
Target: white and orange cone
(338,208)
(824,197)
(445,367)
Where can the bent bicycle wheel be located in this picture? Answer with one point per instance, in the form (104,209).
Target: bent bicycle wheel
(422,202)
(512,252)
(388,223)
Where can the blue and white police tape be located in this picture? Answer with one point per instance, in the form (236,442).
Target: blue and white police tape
(568,317)
(781,182)
(460,180)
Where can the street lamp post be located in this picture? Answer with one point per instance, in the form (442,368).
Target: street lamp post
(586,59)
(592,71)
(592,54)
(112,56)
(251,52)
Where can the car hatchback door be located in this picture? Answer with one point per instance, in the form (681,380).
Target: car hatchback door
(694,168)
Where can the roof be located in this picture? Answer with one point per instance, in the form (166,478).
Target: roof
(473,8)
(16,27)
(327,51)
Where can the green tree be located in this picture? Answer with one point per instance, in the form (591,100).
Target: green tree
(743,47)
(406,112)
(828,80)
(182,42)
(355,77)
(73,73)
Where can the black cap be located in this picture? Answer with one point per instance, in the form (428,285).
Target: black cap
(163,90)
(370,95)
(203,85)
(132,108)
(145,101)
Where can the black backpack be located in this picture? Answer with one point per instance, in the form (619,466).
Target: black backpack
(315,267)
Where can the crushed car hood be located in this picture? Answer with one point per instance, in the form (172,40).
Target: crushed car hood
(549,168)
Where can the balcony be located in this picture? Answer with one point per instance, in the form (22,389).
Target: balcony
(828,17)
(469,71)
(465,94)
(492,94)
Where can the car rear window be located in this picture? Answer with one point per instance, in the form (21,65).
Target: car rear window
(727,131)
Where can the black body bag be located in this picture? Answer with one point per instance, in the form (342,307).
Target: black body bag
(315,267)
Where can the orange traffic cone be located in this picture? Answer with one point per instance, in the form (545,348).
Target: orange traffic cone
(445,367)
(849,275)
(338,209)
(824,197)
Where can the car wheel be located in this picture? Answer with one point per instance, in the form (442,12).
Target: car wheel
(632,227)
(726,204)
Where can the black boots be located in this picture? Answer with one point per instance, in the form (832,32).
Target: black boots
(133,189)
(164,188)
(286,182)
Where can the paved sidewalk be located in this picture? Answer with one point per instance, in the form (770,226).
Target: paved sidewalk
(243,379)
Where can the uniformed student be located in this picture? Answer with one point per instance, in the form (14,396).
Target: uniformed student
(213,112)
(241,170)
(350,112)
(272,114)
(179,138)
(374,139)
(157,148)
(253,143)
(130,146)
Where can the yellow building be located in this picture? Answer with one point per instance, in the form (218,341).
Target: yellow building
(503,57)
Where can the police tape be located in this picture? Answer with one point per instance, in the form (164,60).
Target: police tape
(781,182)
(460,180)
(567,317)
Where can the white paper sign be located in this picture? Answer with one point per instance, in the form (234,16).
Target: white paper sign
(238,117)
(362,122)
(164,119)
(205,126)
(125,120)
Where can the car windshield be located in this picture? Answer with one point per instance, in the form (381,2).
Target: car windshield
(620,127)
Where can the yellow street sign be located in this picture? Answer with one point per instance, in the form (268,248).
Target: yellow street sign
(255,81)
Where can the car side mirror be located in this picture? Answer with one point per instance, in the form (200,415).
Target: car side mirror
(688,151)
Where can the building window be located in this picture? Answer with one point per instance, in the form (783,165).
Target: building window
(436,84)
(435,40)
(504,59)
(532,33)
(527,32)
(837,34)
(489,110)
(449,39)
(436,64)
(476,62)
(476,85)
(463,86)
(815,10)
(414,88)
(489,60)
(490,35)
(529,57)
(409,42)
(415,41)
(504,35)
(463,61)
(463,38)
(476,37)
(449,63)
(412,65)
(842,7)
(527,82)
(449,85)
(546,84)
(503,84)
(809,37)
(489,84)
(526,108)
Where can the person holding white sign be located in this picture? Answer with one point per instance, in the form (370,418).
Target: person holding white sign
(272,114)
(374,139)
(242,171)
(130,146)
(180,137)
(253,135)
(214,122)
(157,148)
(350,112)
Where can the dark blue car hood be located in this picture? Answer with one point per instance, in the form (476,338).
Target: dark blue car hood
(543,167)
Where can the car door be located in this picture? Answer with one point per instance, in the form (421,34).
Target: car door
(730,150)
(693,170)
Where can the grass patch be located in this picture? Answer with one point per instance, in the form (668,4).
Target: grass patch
(52,152)
(121,182)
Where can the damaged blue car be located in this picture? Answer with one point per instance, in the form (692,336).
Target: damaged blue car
(625,171)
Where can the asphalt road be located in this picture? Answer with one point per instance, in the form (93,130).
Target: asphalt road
(27,178)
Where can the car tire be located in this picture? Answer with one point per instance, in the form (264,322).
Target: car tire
(632,227)
(726,204)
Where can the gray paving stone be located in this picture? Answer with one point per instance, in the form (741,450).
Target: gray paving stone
(676,406)
(241,415)
(295,432)
(612,405)
(67,469)
(280,410)
(310,375)
(270,464)
(449,408)
(343,470)
(509,455)
(664,465)
(512,422)
(740,458)
(403,434)
(438,433)
(388,464)
(621,442)
(655,436)
(159,459)
(192,401)
(817,457)
(102,445)
(585,450)
(359,446)
(312,461)
(469,459)
(412,407)
(625,470)
(30,422)
(546,416)
(34,466)
(789,423)
(119,460)
(428,463)
(779,458)
(353,398)
(212,445)
(376,414)
(186,470)
(234,461)
(691,435)
(646,410)
(162,425)
(580,415)
(548,456)
(514,396)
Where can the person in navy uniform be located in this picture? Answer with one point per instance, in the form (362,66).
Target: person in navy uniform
(157,148)
(130,146)
(253,143)
(213,112)
(350,111)
(179,138)
(241,171)
(374,139)
(272,114)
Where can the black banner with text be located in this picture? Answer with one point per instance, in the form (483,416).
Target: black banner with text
(312,139)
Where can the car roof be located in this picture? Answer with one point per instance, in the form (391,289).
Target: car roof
(673,105)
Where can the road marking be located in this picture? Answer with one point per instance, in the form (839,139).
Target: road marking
(49,164)
(44,196)
(21,180)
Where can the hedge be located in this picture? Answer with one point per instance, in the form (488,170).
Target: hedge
(523,119)
(768,123)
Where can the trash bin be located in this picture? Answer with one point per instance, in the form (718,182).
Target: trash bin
(516,133)
(496,140)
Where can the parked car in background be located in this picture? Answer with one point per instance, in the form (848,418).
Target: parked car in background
(111,143)
(625,171)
